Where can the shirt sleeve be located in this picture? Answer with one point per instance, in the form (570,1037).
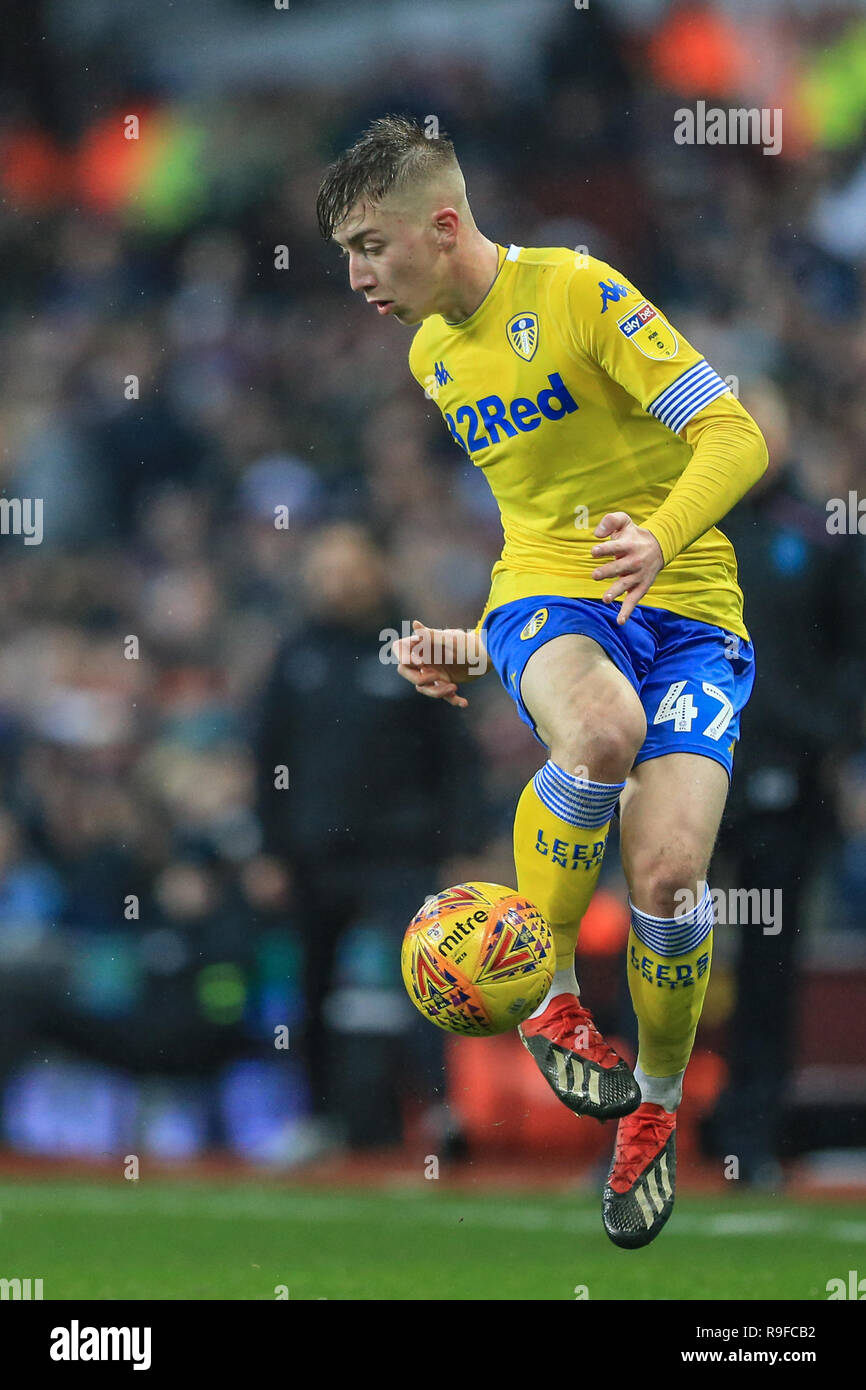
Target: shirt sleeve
(633,342)
(730,455)
(612,323)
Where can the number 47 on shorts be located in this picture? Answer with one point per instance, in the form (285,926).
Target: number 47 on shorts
(681,709)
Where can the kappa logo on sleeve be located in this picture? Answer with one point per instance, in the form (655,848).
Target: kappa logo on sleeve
(649,331)
(612,291)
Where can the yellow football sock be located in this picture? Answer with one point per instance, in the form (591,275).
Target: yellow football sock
(669,969)
(560,831)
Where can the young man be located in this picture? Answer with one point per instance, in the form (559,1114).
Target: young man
(614,619)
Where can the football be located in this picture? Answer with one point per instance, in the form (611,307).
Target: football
(477,959)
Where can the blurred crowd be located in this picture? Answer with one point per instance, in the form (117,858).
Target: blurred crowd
(244,488)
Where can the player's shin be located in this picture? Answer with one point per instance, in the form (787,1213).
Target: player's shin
(560,831)
(668,972)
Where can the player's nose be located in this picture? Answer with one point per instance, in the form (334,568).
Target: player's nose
(359,281)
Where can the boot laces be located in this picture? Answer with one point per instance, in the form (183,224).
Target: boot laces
(640,1137)
(575,1029)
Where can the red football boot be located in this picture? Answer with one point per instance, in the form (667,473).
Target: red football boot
(584,1072)
(639,1193)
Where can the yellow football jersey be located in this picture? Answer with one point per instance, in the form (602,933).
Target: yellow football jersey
(568,388)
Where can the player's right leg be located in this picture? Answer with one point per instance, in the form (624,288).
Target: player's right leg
(591,719)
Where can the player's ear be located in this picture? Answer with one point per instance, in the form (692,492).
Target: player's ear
(446,224)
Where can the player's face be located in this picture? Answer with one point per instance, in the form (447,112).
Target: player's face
(392,261)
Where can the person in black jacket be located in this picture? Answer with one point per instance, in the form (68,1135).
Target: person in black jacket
(365,793)
(779,822)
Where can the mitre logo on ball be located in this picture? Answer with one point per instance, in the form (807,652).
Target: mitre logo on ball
(477,972)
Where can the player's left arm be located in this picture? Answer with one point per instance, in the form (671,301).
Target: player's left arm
(644,354)
(729,457)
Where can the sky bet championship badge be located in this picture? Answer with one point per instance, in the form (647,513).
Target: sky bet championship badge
(522,333)
(535,624)
(653,335)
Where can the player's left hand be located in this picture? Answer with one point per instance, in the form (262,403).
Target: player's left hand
(638,559)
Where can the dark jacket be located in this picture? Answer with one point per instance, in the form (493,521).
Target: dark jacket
(804,594)
(374,768)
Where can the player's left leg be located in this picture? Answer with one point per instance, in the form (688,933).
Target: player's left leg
(671,810)
(575,678)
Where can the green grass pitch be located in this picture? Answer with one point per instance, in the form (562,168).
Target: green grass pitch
(182,1240)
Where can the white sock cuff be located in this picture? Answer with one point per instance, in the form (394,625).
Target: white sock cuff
(588,805)
(674,936)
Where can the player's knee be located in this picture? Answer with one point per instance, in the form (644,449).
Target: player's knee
(601,741)
(669,882)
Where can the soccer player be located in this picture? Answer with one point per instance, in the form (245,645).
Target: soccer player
(614,619)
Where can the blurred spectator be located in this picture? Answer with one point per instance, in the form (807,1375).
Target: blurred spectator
(801,588)
(365,790)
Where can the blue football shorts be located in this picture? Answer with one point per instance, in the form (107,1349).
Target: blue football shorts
(693,679)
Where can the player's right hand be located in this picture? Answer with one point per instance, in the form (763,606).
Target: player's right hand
(437,660)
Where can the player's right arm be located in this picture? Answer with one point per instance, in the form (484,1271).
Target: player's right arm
(437,660)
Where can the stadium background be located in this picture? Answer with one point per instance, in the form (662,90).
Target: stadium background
(181,359)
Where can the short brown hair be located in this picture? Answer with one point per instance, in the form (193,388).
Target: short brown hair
(392,153)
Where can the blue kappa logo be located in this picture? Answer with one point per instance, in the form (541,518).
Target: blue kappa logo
(611,292)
